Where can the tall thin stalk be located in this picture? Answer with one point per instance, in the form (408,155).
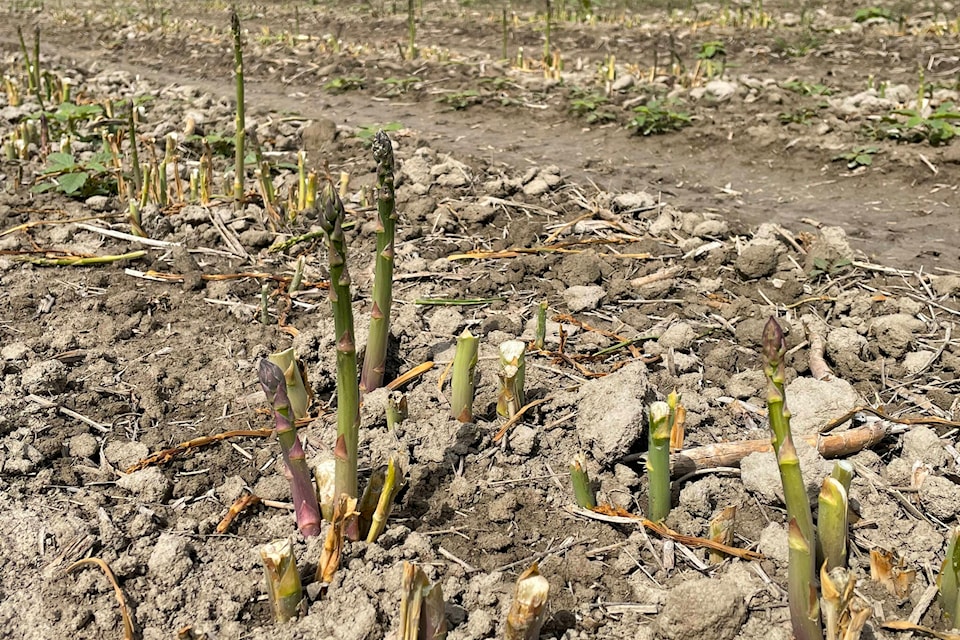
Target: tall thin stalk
(241,121)
(802,568)
(375,360)
(348,389)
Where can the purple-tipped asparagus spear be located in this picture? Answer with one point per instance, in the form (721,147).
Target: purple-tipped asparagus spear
(294,460)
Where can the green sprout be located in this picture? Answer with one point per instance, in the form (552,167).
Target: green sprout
(802,590)
(582,490)
(658,117)
(241,123)
(375,359)
(348,390)
(304,495)
(949,579)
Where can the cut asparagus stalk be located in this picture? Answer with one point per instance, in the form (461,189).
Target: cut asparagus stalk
(348,391)
(396,409)
(541,314)
(677,418)
(658,461)
(721,530)
(301,487)
(422,609)
(344,514)
(529,607)
(805,617)
(949,580)
(324,474)
(463,383)
(801,586)
(296,390)
(843,471)
(832,524)
(370,498)
(374,362)
(512,373)
(582,490)
(241,122)
(389,491)
(283,580)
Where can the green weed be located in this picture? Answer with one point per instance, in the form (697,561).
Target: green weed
(657,117)
(460,100)
(78,179)
(344,84)
(806,89)
(859,157)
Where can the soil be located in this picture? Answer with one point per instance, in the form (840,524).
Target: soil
(660,258)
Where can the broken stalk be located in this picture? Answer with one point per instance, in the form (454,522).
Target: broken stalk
(294,459)
(374,362)
(422,609)
(832,519)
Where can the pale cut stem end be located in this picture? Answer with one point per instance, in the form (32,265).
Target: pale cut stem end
(422,607)
(832,524)
(512,374)
(529,607)
(283,580)
(397,409)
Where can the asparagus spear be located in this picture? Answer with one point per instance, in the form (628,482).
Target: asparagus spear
(804,611)
(529,606)
(348,391)
(374,362)
(241,123)
(294,460)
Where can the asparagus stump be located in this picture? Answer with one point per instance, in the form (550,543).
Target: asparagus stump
(582,490)
(804,607)
(658,461)
(283,580)
(512,373)
(463,383)
(422,614)
(529,607)
(374,362)
(294,460)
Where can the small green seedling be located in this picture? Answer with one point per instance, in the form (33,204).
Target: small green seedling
(658,117)
(344,84)
(807,89)
(823,267)
(870,13)
(77,179)
(859,157)
(460,100)
(589,107)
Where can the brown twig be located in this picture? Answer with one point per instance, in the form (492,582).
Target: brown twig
(244,501)
(124,611)
(162,457)
(836,422)
(516,417)
(614,515)
(410,375)
(729,454)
